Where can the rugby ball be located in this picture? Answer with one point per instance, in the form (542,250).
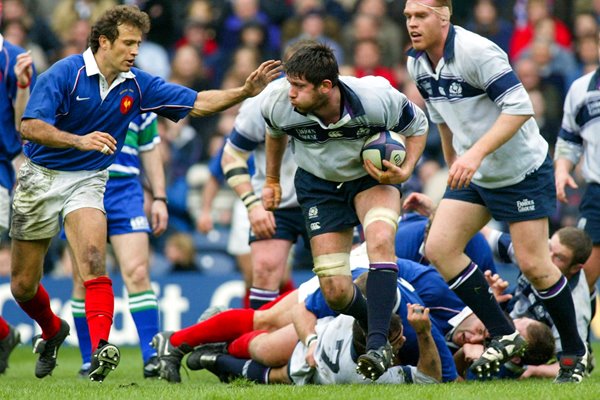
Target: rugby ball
(384,145)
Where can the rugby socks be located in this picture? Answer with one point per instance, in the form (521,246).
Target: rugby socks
(260,297)
(558,301)
(472,288)
(223,327)
(143,307)
(4,329)
(381,292)
(38,308)
(357,308)
(81,327)
(240,347)
(288,286)
(99,308)
(249,369)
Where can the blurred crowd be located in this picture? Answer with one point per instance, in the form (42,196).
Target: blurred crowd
(206,44)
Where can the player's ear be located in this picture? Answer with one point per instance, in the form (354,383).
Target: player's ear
(326,85)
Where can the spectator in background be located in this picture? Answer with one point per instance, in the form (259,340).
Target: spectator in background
(163,29)
(313,28)
(585,24)
(180,252)
(367,61)
(586,52)
(332,22)
(17,33)
(523,36)
(254,35)
(391,34)
(68,12)
(367,26)
(201,35)
(487,23)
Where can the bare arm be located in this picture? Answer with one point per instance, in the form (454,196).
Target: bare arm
(274,148)
(562,174)
(464,167)
(209,192)
(153,169)
(23,71)
(305,323)
(447,149)
(213,101)
(429,359)
(40,132)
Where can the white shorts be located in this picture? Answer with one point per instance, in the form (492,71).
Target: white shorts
(4,209)
(42,194)
(299,371)
(239,233)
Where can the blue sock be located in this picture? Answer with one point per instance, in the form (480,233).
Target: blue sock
(472,288)
(81,327)
(144,310)
(381,295)
(249,369)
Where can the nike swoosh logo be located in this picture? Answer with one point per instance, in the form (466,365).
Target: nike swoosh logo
(81,98)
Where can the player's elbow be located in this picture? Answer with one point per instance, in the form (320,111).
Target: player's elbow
(26,129)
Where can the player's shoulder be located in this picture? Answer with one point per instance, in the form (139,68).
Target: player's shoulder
(473,44)
(276,95)
(581,85)
(366,84)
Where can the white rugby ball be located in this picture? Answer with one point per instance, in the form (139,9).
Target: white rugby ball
(384,145)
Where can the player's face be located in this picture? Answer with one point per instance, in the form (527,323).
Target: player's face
(125,48)
(522,324)
(304,96)
(423,24)
(562,256)
(471,330)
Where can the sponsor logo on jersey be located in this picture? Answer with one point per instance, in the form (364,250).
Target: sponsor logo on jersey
(126,104)
(593,108)
(315,226)
(335,134)
(306,133)
(525,205)
(455,89)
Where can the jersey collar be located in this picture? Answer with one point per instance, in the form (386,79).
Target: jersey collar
(1,42)
(91,68)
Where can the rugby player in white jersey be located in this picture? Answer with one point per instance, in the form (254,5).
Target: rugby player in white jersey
(499,167)
(329,118)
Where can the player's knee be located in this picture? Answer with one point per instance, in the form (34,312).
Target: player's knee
(435,251)
(22,289)
(136,277)
(381,215)
(333,264)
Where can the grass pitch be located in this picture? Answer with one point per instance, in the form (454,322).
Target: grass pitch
(127,383)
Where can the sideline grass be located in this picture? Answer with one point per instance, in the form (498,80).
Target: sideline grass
(127,383)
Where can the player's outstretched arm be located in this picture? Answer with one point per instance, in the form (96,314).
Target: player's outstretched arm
(213,101)
(40,132)
(429,359)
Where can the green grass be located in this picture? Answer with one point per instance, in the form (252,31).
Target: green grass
(127,383)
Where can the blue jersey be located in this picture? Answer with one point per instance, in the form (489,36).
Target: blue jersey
(409,353)
(411,234)
(10,140)
(72,95)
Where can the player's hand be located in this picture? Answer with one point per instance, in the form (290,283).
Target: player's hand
(462,170)
(418,318)
(562,180)
(160,217)
(97,141)
(418,202)
(204,224)
(498,286)
(271,194)
(393,175)
(261,77)
(310,354)
(23,68)
(262,222)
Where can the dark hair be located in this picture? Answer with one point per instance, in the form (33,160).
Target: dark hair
(359,338)
(314,63)
(108,24)
(540,344)
(578,241)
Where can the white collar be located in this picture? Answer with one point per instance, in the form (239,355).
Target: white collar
(1,42)
(91,66)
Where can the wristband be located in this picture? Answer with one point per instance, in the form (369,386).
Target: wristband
(159,198)
(250,200)
(311,338)
(25,86)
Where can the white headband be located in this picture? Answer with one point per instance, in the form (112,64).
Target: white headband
(442,11)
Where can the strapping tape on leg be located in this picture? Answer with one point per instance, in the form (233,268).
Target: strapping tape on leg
(333,264)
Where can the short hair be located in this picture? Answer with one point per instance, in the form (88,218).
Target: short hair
(444,3)
(578,241)
(314,63)
(540,344)
(359,337)
(108,24)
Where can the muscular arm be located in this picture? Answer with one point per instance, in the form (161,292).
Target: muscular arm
(153,169)
(209,192)
(23,71)
(40,132)
(447,149)
(429,359)
(213,101)
(275,147)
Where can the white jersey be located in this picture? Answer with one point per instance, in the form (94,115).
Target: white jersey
(249,135)
(335,360)
(471,86)
(580,125)
(332,152)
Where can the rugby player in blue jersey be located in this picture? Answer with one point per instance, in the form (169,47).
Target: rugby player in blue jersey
(17,76)
(499,167)
(328,118)
(75,123)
